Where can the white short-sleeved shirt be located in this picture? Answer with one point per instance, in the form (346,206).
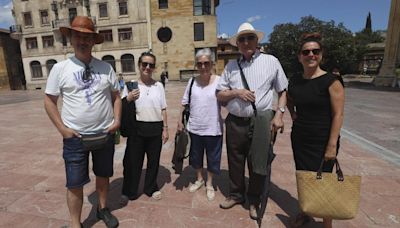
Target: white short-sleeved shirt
(263,73)
(87,106)
(205,112)
(150,103)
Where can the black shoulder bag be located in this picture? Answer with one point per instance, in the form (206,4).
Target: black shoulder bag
(128,118)
(186,111)
(246,86)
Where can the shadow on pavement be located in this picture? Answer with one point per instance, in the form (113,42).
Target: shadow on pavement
(188,176)
(289,205)
(114,194)
(113,198)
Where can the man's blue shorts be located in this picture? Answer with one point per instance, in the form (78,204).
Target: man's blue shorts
(213,147)
(76,161)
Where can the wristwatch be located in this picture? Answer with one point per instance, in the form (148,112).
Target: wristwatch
(281,109)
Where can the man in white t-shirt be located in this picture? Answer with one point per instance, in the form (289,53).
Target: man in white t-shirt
(91,110)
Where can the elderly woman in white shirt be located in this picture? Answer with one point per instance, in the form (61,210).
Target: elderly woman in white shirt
(205,122)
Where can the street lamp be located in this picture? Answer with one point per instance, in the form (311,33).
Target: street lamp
(54,7)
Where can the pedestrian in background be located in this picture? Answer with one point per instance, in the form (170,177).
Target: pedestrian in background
(91,109)
(315,102)
(151,131)
(336,71)
(164,77)
(121,82)
(250,115)
(205,122)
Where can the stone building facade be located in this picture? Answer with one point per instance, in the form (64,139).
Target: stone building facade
(11,73)
(391,60)
(123,23)
(129,26)
(225,52)
(178,29)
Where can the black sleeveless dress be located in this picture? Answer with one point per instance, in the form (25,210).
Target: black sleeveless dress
(311,129)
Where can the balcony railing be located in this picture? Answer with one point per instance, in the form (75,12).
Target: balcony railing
(16,32)
(15,28)
(56,24)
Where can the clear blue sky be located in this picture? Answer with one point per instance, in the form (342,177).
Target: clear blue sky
(264,14)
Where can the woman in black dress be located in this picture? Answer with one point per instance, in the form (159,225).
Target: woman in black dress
(315,102)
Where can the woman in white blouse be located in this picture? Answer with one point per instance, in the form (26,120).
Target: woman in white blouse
(205,122)
(150,132)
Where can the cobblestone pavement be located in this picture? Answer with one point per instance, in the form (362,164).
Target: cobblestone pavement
(32,178)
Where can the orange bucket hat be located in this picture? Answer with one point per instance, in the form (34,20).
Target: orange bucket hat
(82,24)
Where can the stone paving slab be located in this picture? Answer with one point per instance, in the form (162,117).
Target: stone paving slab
(32,180)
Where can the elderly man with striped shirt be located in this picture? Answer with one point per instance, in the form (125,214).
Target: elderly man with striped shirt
(247,87)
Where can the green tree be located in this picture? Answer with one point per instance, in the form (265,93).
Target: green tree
(368,23)
(337,41)
(283,45)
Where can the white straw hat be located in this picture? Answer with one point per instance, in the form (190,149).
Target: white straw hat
(246,28)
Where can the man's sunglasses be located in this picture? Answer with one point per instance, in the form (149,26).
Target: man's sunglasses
(151,65)
(313,51)
(248,38)
(87,74)
(205,64)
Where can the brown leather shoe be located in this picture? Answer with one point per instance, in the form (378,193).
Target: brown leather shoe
(253,211)
(230,202)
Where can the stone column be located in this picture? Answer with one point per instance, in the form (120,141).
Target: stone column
(387,74)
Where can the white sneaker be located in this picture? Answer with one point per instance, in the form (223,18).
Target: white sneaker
(196,186)
(210,193)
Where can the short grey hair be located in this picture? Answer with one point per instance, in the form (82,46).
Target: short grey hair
(205,52)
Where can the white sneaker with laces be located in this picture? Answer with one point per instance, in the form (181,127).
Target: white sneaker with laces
(210,193)
(196,186)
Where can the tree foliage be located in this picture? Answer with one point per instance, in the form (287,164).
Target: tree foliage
(368,22)
(338,41)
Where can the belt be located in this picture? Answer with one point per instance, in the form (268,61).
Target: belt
(246,119)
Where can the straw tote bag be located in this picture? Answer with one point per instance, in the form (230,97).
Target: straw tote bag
(328,195)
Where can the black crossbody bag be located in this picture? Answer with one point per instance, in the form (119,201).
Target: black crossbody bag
(96,141)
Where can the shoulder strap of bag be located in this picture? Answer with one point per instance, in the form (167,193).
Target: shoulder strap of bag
(190,88)
(186,112)
(246,86)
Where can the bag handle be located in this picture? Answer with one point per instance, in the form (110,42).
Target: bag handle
(339,171)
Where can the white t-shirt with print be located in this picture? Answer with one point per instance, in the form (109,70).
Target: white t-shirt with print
(87,106)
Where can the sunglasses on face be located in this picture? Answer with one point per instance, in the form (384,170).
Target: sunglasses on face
(313,51)
(248,38)
(87,74)
(151,65)
(205,64)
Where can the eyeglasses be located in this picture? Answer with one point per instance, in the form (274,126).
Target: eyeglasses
(313,51)
(151,65)
(87,74)
(248,38)
(205,64)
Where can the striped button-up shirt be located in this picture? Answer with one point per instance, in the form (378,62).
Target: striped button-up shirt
(263,74)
